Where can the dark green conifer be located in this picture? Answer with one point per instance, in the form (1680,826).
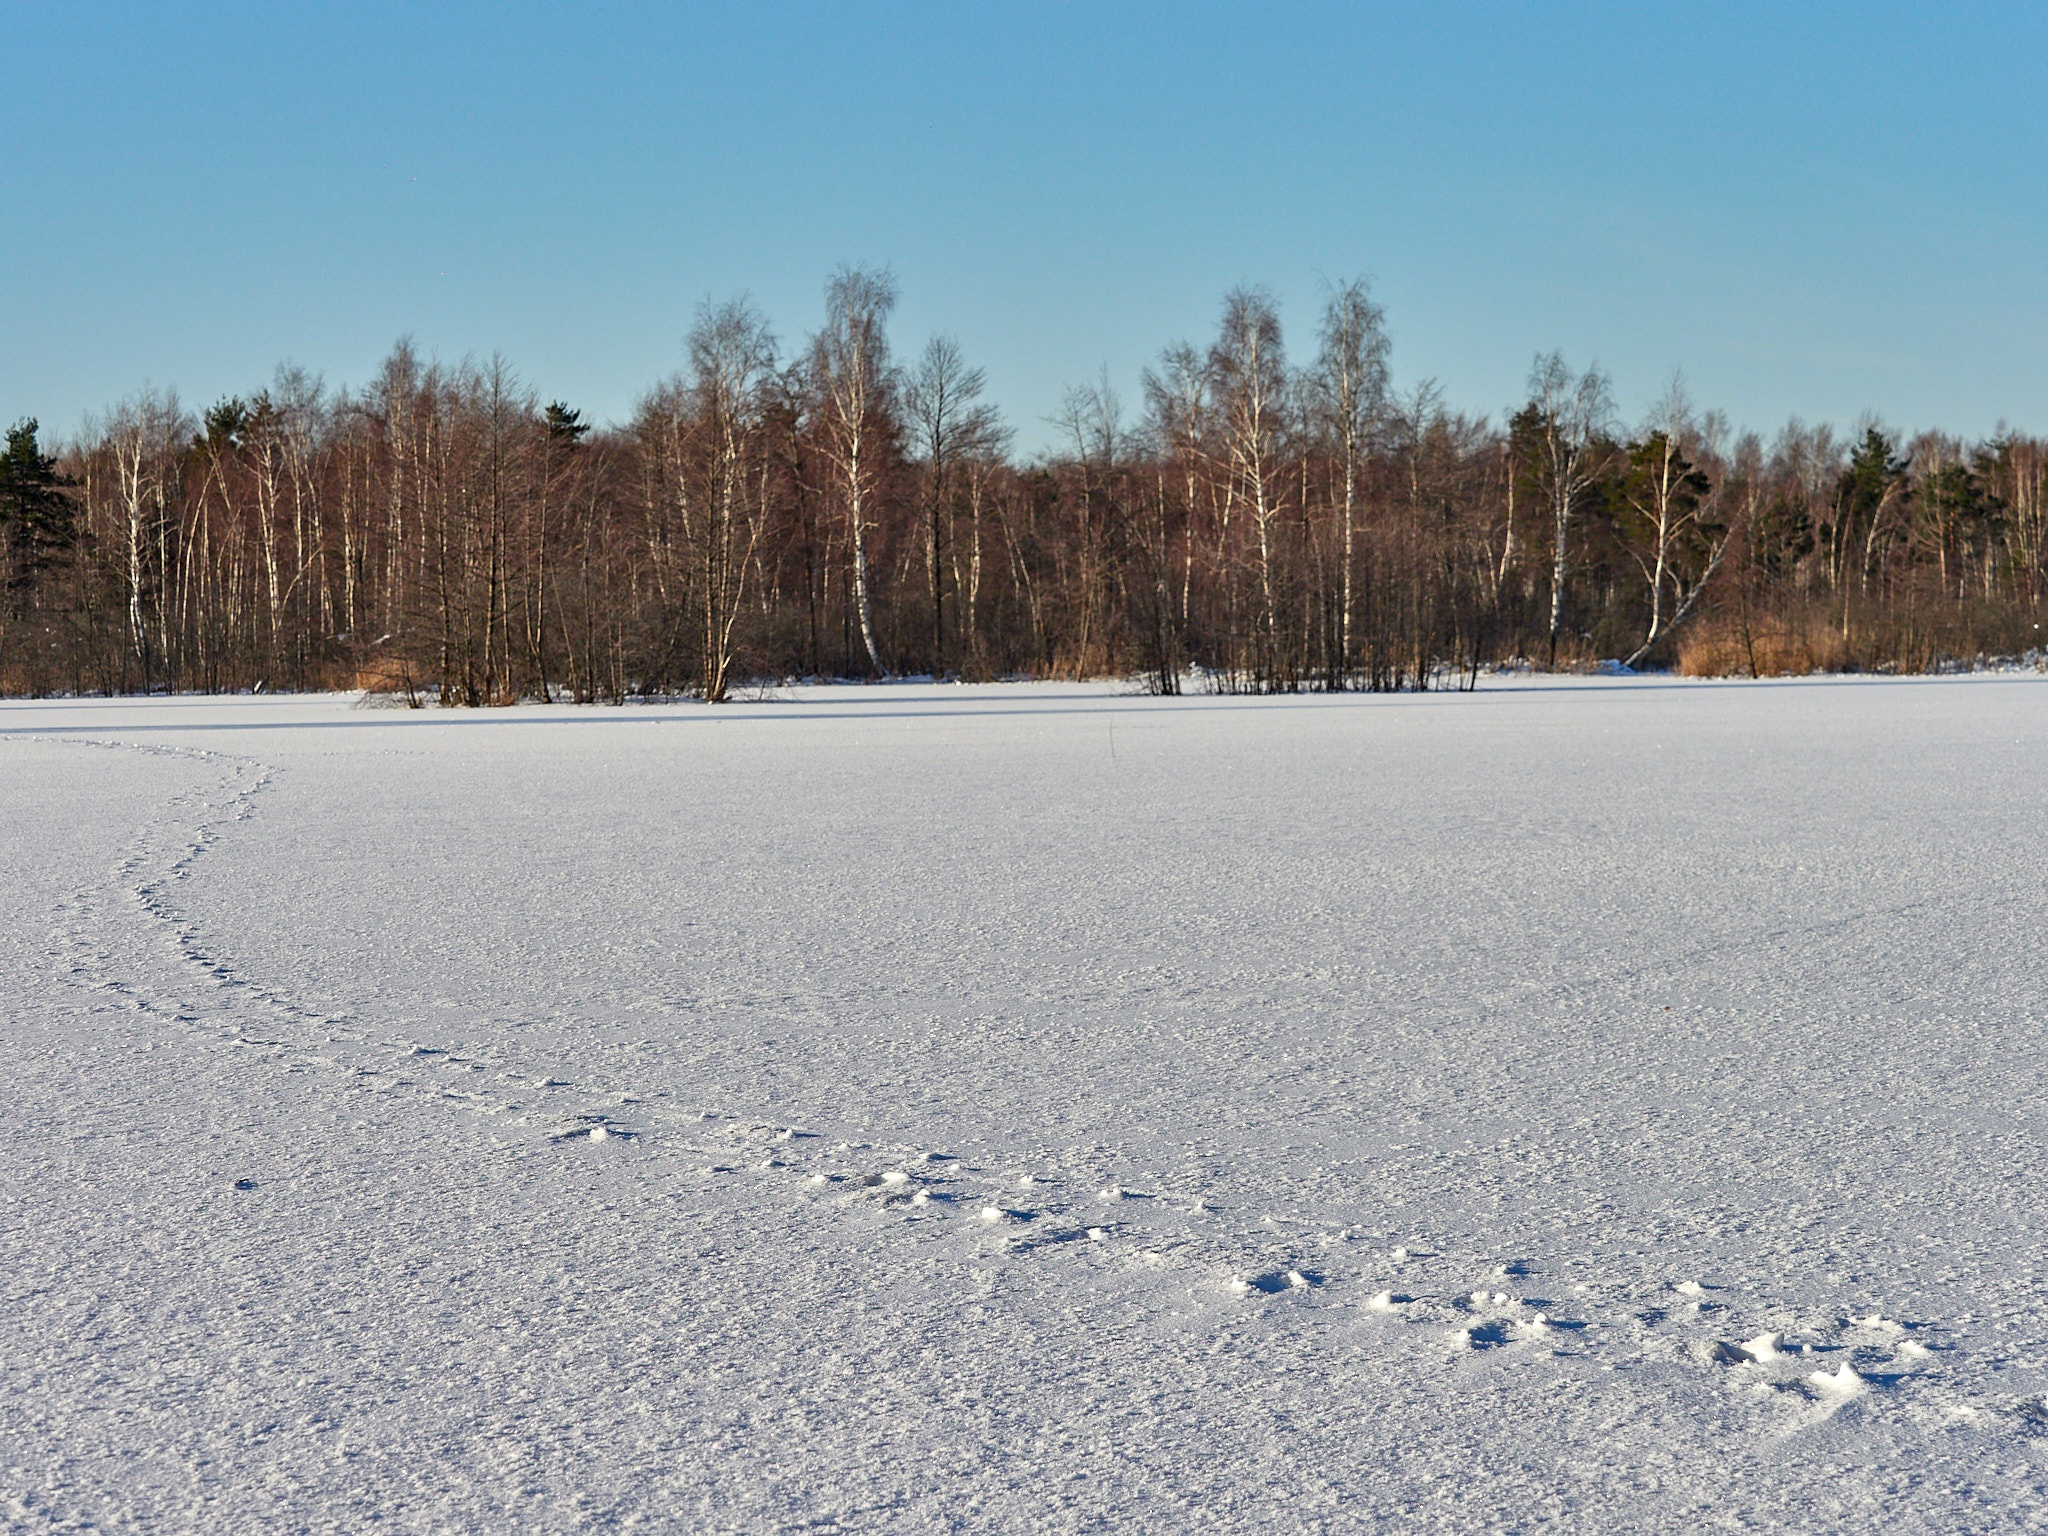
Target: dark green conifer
(36,516)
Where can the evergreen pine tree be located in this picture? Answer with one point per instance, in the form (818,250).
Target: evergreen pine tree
(36,516)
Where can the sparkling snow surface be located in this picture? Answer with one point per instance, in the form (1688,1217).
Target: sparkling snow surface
(1615,1105)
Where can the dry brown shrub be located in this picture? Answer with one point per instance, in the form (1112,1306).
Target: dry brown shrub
(384,674)
(1725,650)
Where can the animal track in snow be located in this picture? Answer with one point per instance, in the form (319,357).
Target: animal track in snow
(1788,1365)
(176,974)
(1177,1245)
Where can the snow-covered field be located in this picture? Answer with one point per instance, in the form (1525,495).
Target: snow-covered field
(1611,1105)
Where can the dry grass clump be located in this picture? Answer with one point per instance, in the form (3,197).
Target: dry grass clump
(1728,650)
(384,674)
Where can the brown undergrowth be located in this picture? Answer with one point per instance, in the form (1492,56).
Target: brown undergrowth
(1735,650)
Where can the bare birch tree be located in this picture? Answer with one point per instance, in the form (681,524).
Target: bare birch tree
(857,394)
(1250,385)
(146,437)
(1348,388)
(1571,412)
(732,361)
(1667,492)
(1178,425)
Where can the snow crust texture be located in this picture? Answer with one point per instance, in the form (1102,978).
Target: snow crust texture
(1608,1105)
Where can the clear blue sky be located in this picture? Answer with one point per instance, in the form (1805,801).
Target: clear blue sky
(1822,209)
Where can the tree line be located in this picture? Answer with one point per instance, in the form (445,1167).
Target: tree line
(1253,523)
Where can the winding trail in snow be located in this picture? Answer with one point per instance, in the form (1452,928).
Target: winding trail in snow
(998,1213)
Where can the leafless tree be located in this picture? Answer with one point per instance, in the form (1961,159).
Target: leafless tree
(1669,494)
(949,424)
(732,362)
(1348,388)
(857,389)
(1572,412)
(1178,425)
(145,438)
(1249,384)
(1267,527)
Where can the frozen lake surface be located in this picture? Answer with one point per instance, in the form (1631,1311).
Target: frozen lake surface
(1608,1104)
